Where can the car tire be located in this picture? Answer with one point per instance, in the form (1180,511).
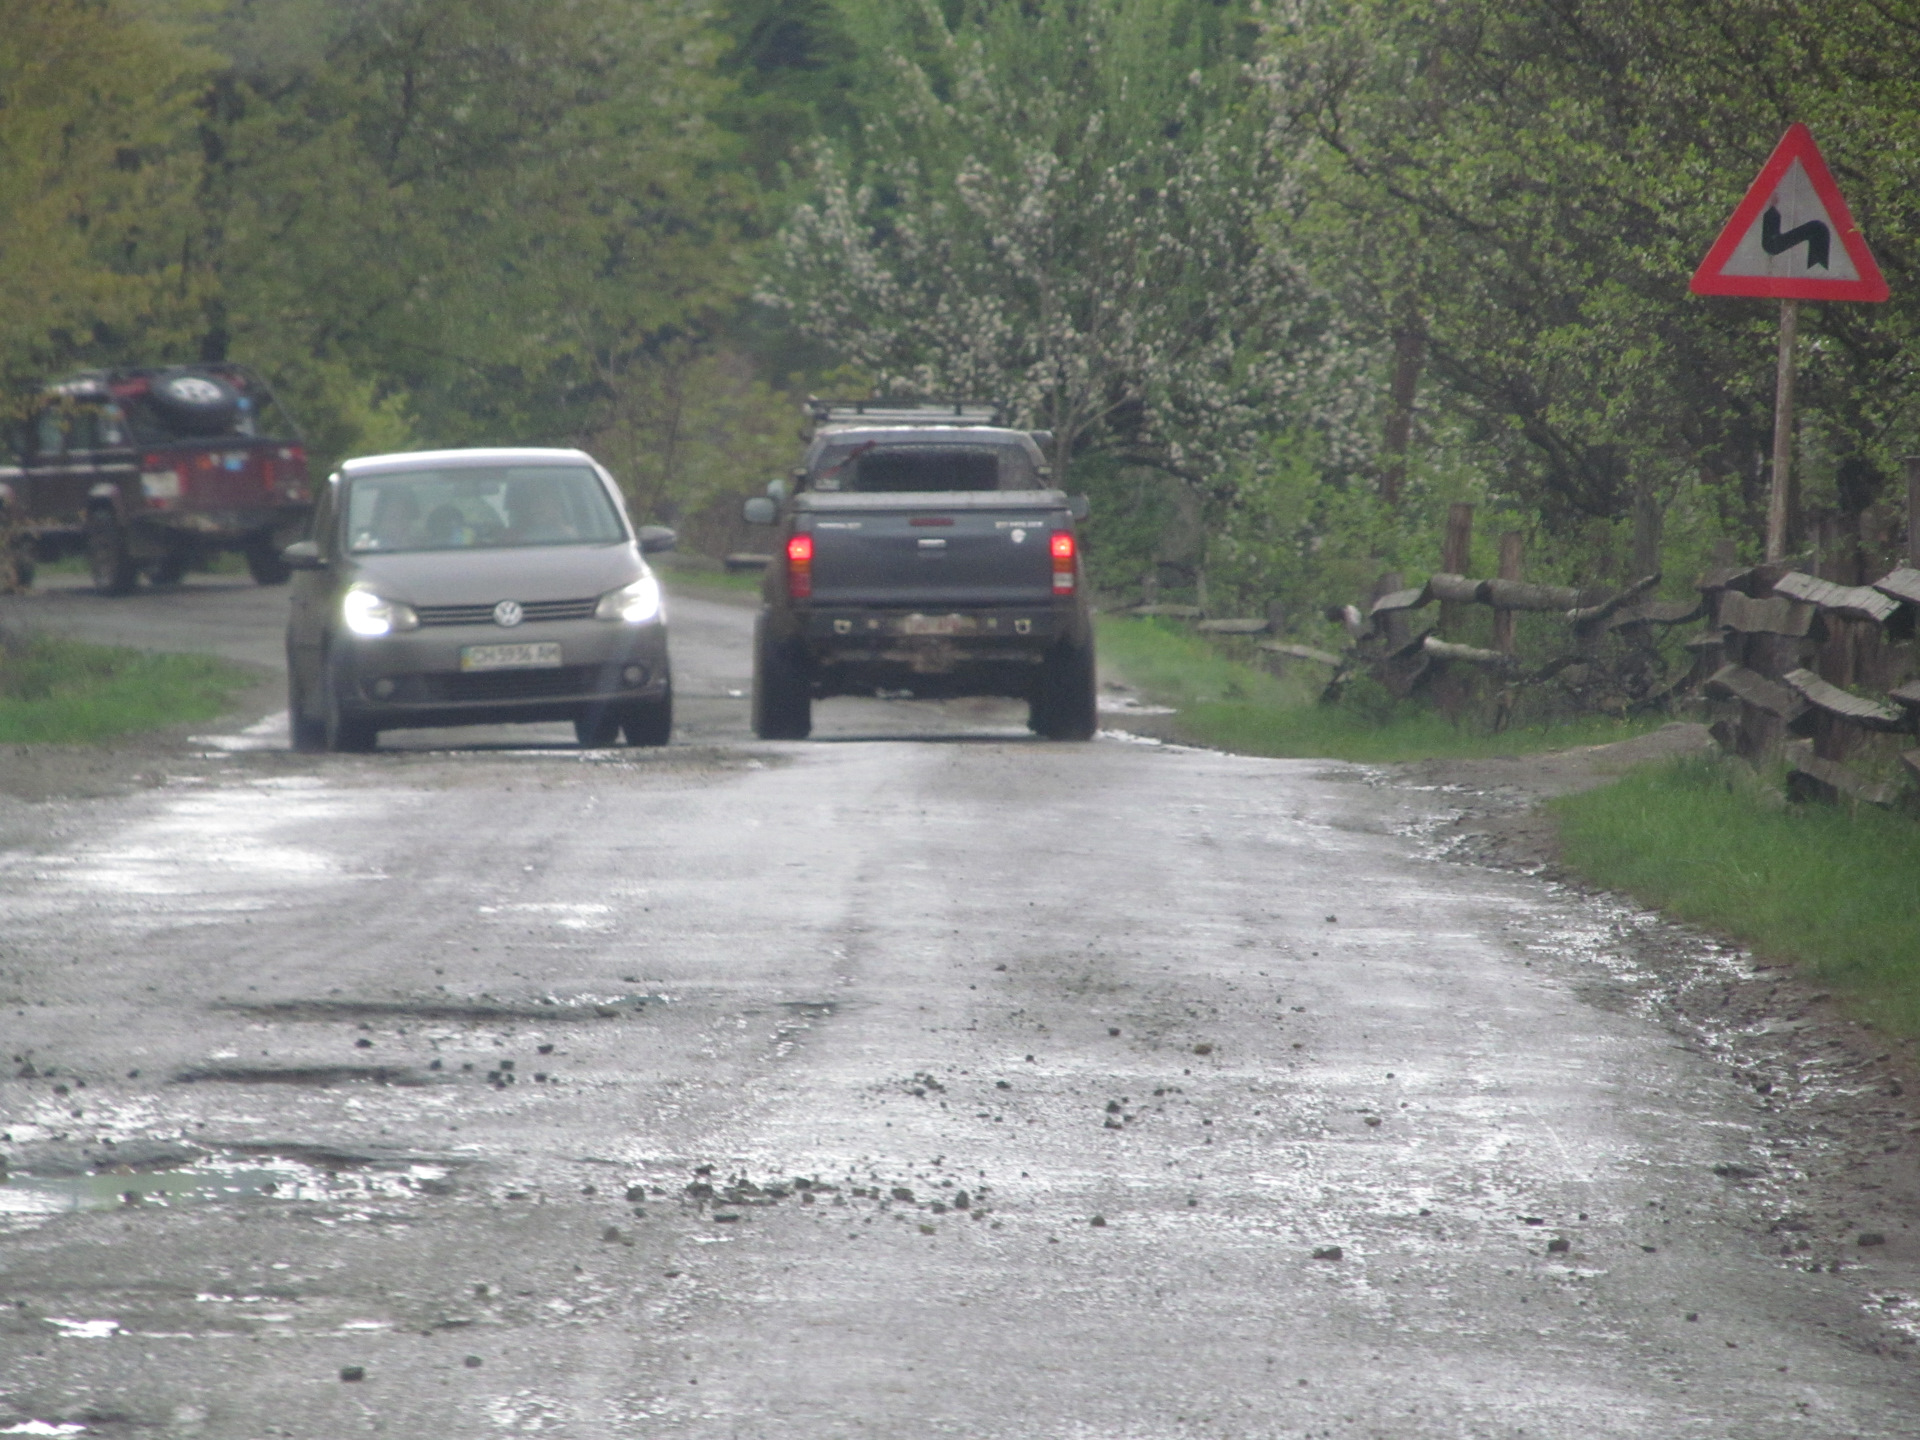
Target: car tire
(650,723)
(782,700)
(108,560)
(341,733)
(264,563)
(24,567)
(1065,704)
(598,727)
(305,734)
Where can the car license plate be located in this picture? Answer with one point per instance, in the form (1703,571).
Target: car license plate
(938,625)
(533,655)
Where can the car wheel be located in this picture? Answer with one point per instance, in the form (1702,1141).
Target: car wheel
(23,565)
(264,563)
(782,702)
(340,732)
(1065,705)
(108,562)
(305,733)
(597,728)
(650,723)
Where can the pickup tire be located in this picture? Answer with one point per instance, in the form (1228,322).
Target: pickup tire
(169,569)
(1065,703)
(650,723)
(782,697)
(108,560)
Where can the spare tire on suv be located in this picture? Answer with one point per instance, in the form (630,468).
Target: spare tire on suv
(196,403)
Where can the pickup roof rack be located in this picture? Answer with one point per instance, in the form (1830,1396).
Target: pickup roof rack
(896,412)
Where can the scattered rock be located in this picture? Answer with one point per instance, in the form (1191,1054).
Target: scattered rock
(363,1043)
(1098,1222)
(352,1373)
(1730,1170)
(1533,1219)
(1693,1314)
(613,1236)
(926,1229)
(473,1362)
(962,1200)
(636,1193)
(725,1217)
(1871,1237)
(1113,1030)
(1559,1245)
(903,1194)
(1333,919)
(1002,1085)
(1203,1049)
(1329,1252)
(546,1049)
(1373,1119)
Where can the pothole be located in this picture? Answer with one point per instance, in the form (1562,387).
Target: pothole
(318,1075)
(263,1171)
(483,1011)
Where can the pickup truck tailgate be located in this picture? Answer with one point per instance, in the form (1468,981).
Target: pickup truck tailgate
(988,548)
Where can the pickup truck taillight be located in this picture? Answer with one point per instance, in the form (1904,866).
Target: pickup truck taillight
(799,567)
(163,482)
(285,473)
(1062,547)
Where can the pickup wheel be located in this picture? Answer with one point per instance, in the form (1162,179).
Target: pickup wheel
(264,563)
(1064,705)
(782,701)
(108,561)
(650,723)
(169,569)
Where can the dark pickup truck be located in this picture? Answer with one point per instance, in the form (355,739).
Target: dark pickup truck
(151,470)
(922,553)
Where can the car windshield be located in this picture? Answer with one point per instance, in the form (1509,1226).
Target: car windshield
(871,468)
(480,508)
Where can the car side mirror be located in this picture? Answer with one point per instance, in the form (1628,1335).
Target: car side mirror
(1079,507)
(778,489)
(655,538)
(303,555)
(760,510)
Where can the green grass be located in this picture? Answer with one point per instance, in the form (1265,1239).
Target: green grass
(66,692)
(694,581)
(1836,891)
(1234,705)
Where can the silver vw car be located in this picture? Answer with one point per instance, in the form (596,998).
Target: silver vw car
(475,587)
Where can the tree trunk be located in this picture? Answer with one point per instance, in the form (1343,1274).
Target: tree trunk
(1409,358)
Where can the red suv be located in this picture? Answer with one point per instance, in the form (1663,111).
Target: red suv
(150,470)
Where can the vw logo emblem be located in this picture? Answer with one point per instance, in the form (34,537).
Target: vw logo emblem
(508,613)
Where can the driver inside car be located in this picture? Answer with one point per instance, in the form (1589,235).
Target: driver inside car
(537,513)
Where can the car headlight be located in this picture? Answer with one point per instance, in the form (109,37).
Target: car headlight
(636,603)
(365,613)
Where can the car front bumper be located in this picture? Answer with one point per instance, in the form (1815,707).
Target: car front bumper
(417,678)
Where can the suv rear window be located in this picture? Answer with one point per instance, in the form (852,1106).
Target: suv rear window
(480,507)
(891,469)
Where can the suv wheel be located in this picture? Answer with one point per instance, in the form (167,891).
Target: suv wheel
(111,567)
(782,701)
(650,723)
(1065,704)
(264,563)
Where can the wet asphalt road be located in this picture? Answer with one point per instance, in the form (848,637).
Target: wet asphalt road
(925,1080)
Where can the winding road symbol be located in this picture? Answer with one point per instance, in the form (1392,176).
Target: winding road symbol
(1814,235)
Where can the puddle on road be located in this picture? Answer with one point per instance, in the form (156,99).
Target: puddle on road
(28,1199)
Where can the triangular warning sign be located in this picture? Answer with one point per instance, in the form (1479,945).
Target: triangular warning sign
(1792,237)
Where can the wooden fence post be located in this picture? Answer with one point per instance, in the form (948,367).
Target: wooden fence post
(1456,557)
(1511,545)
(1912,462)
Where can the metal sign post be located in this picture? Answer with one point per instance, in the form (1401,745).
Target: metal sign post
(1780,244)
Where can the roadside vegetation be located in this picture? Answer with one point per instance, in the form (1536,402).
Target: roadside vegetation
(1706,841)
(1235,704)
(64,692)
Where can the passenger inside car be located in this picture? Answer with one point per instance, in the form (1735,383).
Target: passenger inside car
(537,513)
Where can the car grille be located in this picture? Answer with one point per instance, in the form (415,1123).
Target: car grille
(483,614)
(509,684)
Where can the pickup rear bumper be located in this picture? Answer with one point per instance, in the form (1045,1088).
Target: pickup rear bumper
(934,653)
(1005,627)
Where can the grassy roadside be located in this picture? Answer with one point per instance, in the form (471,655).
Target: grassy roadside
(1834,891)
(1236,706)
(65,692)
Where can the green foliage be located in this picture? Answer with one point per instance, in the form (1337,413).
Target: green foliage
(65,692)
(1831,889)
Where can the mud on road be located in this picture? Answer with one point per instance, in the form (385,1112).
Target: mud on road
(926,1079)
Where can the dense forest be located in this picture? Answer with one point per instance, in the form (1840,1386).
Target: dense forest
(1284,279)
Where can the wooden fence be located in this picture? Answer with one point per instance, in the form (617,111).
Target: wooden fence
(1786,664)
